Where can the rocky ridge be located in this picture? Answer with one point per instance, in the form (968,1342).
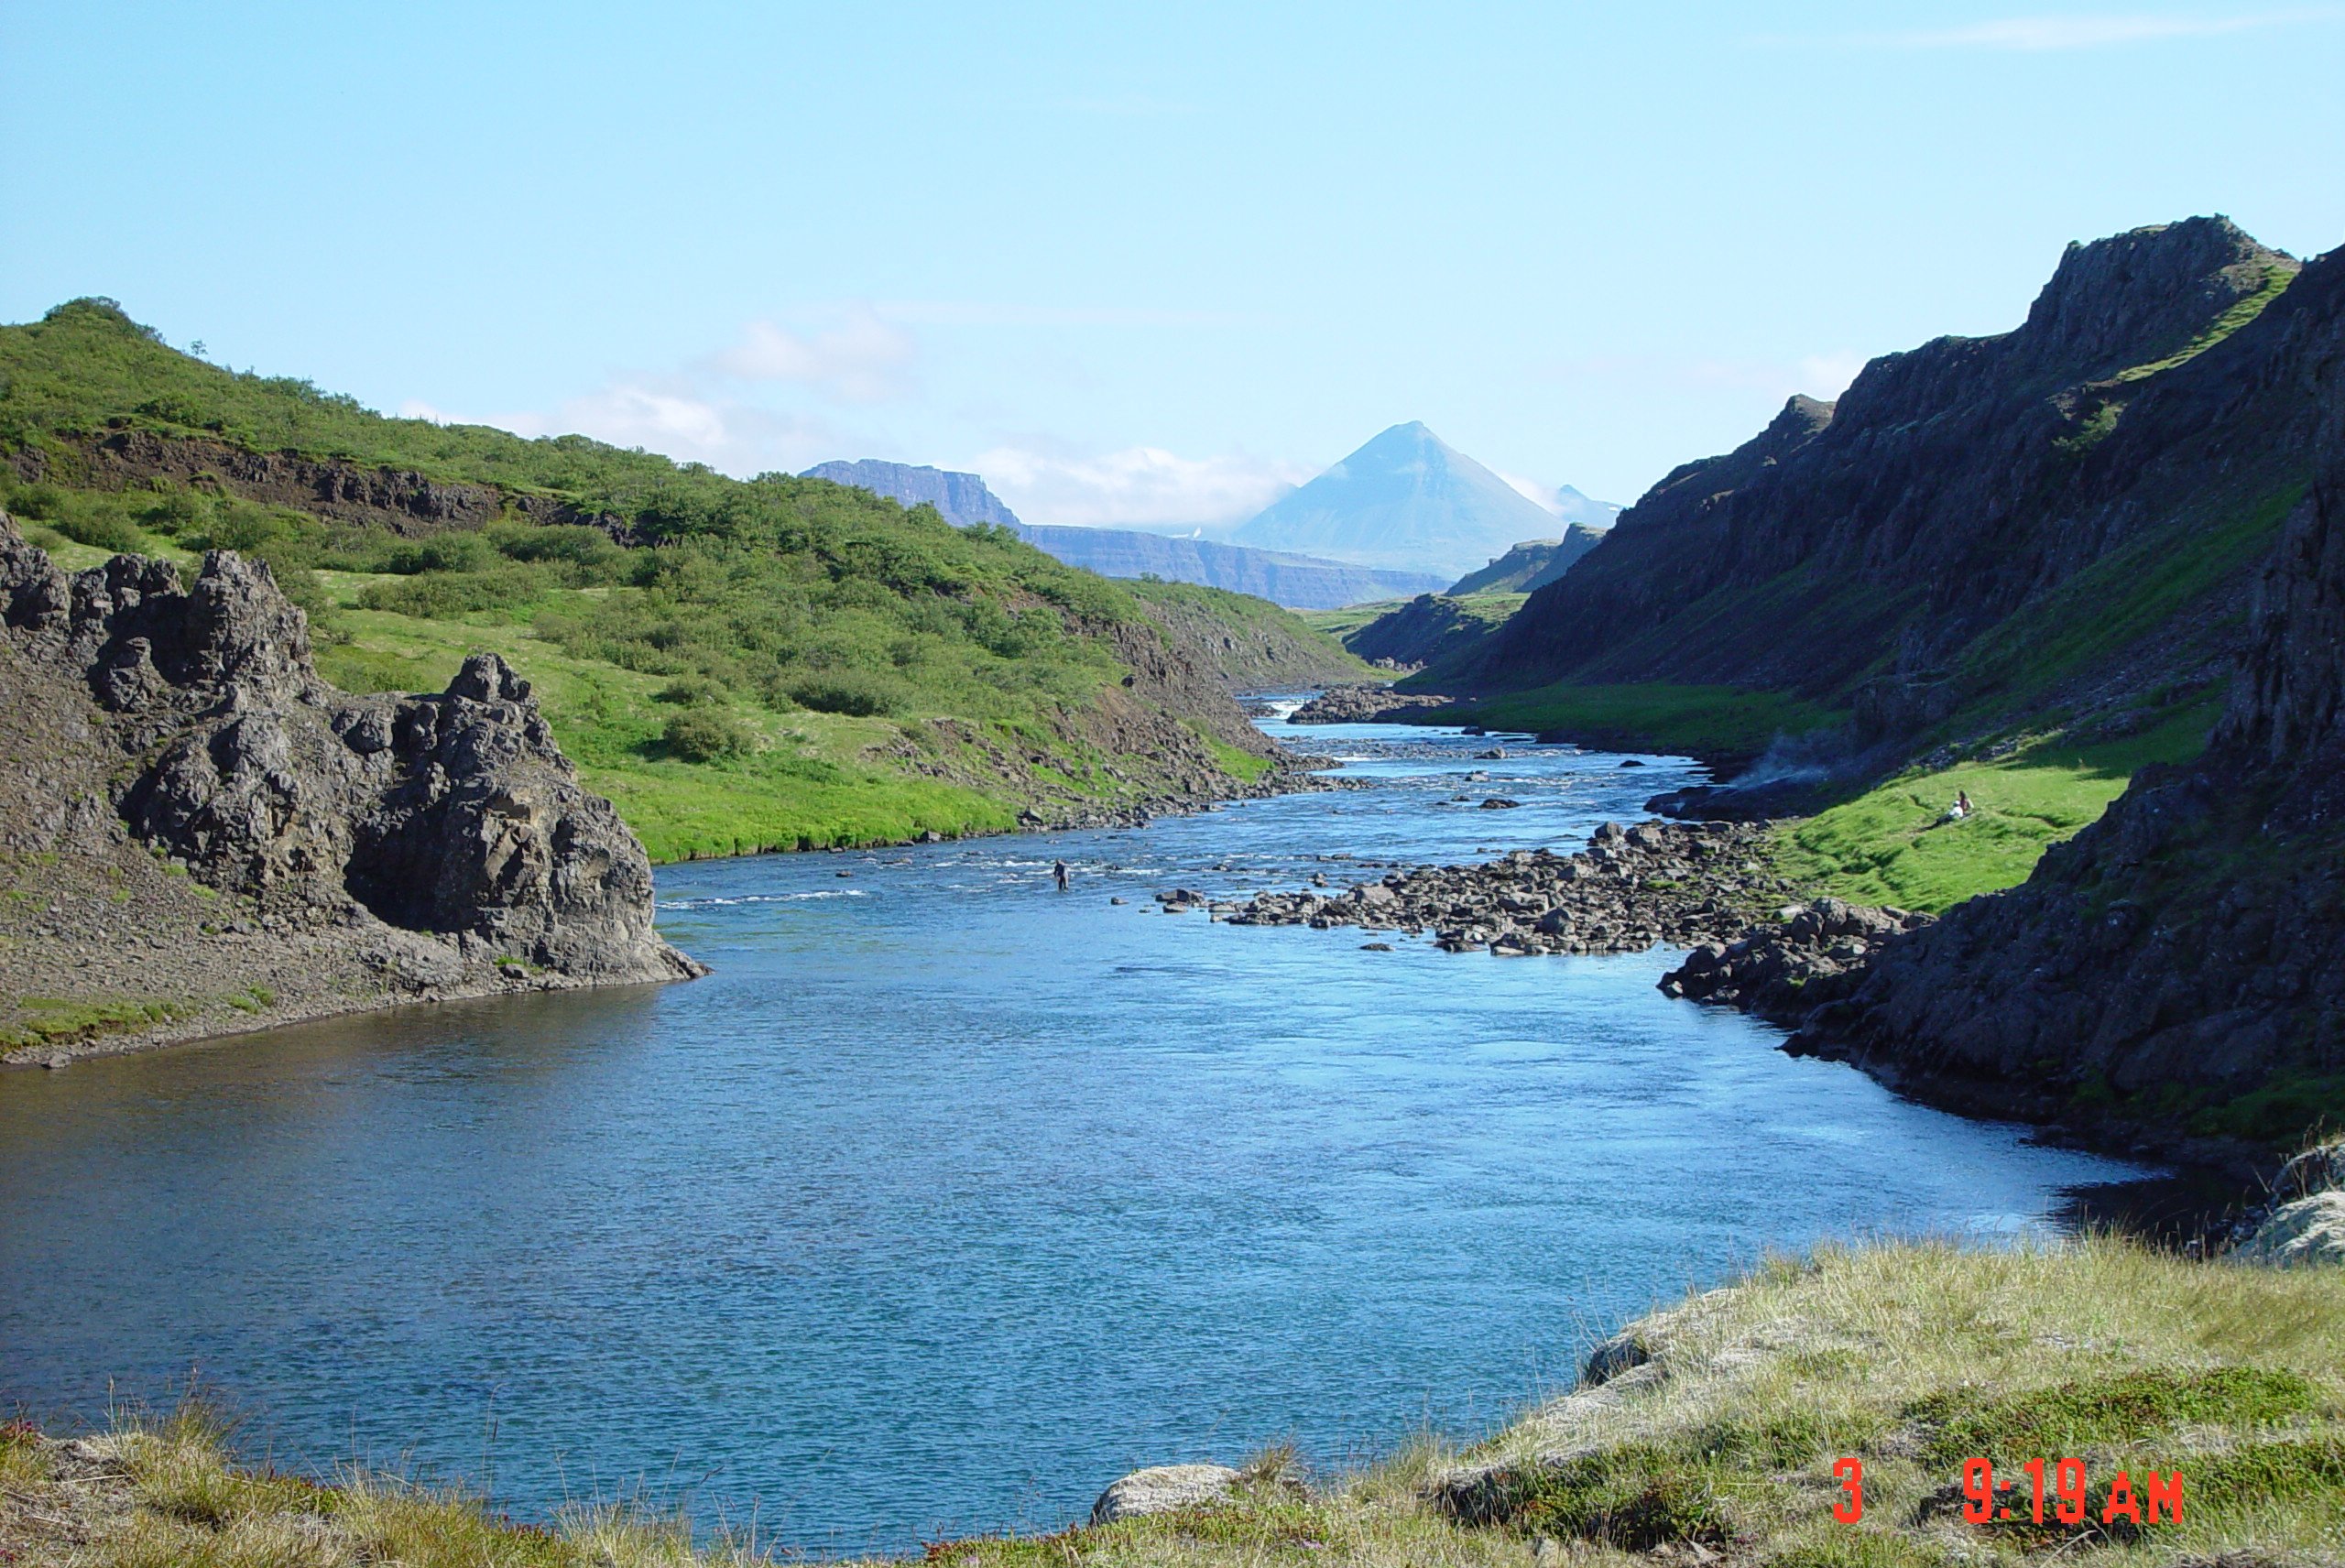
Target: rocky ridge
(1632,888)
(1429,629)
(1904,553)
(201,835)
(2189,947)
(402,501)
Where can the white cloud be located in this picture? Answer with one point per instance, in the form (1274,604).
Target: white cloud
(674,418)
(860,359)
(1141,486)
(1546,497)
(2037,33)
(969,314)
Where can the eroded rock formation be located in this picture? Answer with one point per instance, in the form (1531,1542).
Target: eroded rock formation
(406,844)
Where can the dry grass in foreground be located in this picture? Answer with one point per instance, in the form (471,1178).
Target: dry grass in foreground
(1711,1442)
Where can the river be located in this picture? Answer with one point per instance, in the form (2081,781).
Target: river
(949,1197)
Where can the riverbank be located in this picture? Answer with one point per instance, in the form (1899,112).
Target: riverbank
(207,838)
(1715,1431)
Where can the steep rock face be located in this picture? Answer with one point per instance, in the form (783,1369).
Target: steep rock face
(192,722)
(2196,934)
(1262,651)
(1297,581)
(1857,551)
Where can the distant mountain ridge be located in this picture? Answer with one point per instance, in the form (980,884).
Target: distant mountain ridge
(1297,581)
(1404,501)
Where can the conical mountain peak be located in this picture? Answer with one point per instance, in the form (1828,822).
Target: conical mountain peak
(1405,500)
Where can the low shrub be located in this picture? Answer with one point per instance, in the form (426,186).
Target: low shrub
(705,735)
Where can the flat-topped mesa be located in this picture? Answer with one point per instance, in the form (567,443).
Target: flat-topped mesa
(444,838)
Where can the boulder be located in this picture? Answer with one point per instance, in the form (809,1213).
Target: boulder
(2308,1231)
(2315,1170)
(1163,1489)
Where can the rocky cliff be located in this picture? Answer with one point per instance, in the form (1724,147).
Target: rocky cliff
(200,834)
(1254,645)
(1930,545)
(399,500)
(2181,963)
(962,499)
(1297,581)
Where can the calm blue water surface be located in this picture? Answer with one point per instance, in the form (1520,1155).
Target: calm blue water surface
(949,1197)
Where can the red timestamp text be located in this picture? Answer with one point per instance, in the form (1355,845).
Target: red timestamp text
(2055,1490)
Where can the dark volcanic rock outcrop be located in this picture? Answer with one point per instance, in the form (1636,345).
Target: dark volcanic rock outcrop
(1905,551)
(1784,970)
(371,848)
(1364,705)
(2190,945)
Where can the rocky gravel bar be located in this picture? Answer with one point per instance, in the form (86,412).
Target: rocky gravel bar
(1782,972)
(1632,888)
(1363,705)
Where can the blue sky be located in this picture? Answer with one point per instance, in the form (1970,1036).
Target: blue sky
(1136,265)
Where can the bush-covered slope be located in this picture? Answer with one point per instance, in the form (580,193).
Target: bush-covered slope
(1256,644)
(775,661)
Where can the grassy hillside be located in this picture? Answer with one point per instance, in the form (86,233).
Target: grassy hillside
(1432,626)
(1909,1359)
(1341,624)
(1256,644)
(1893,845)
(740,664)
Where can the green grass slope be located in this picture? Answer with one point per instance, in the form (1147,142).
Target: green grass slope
(1893,844)
(1432,626)
(740,664)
